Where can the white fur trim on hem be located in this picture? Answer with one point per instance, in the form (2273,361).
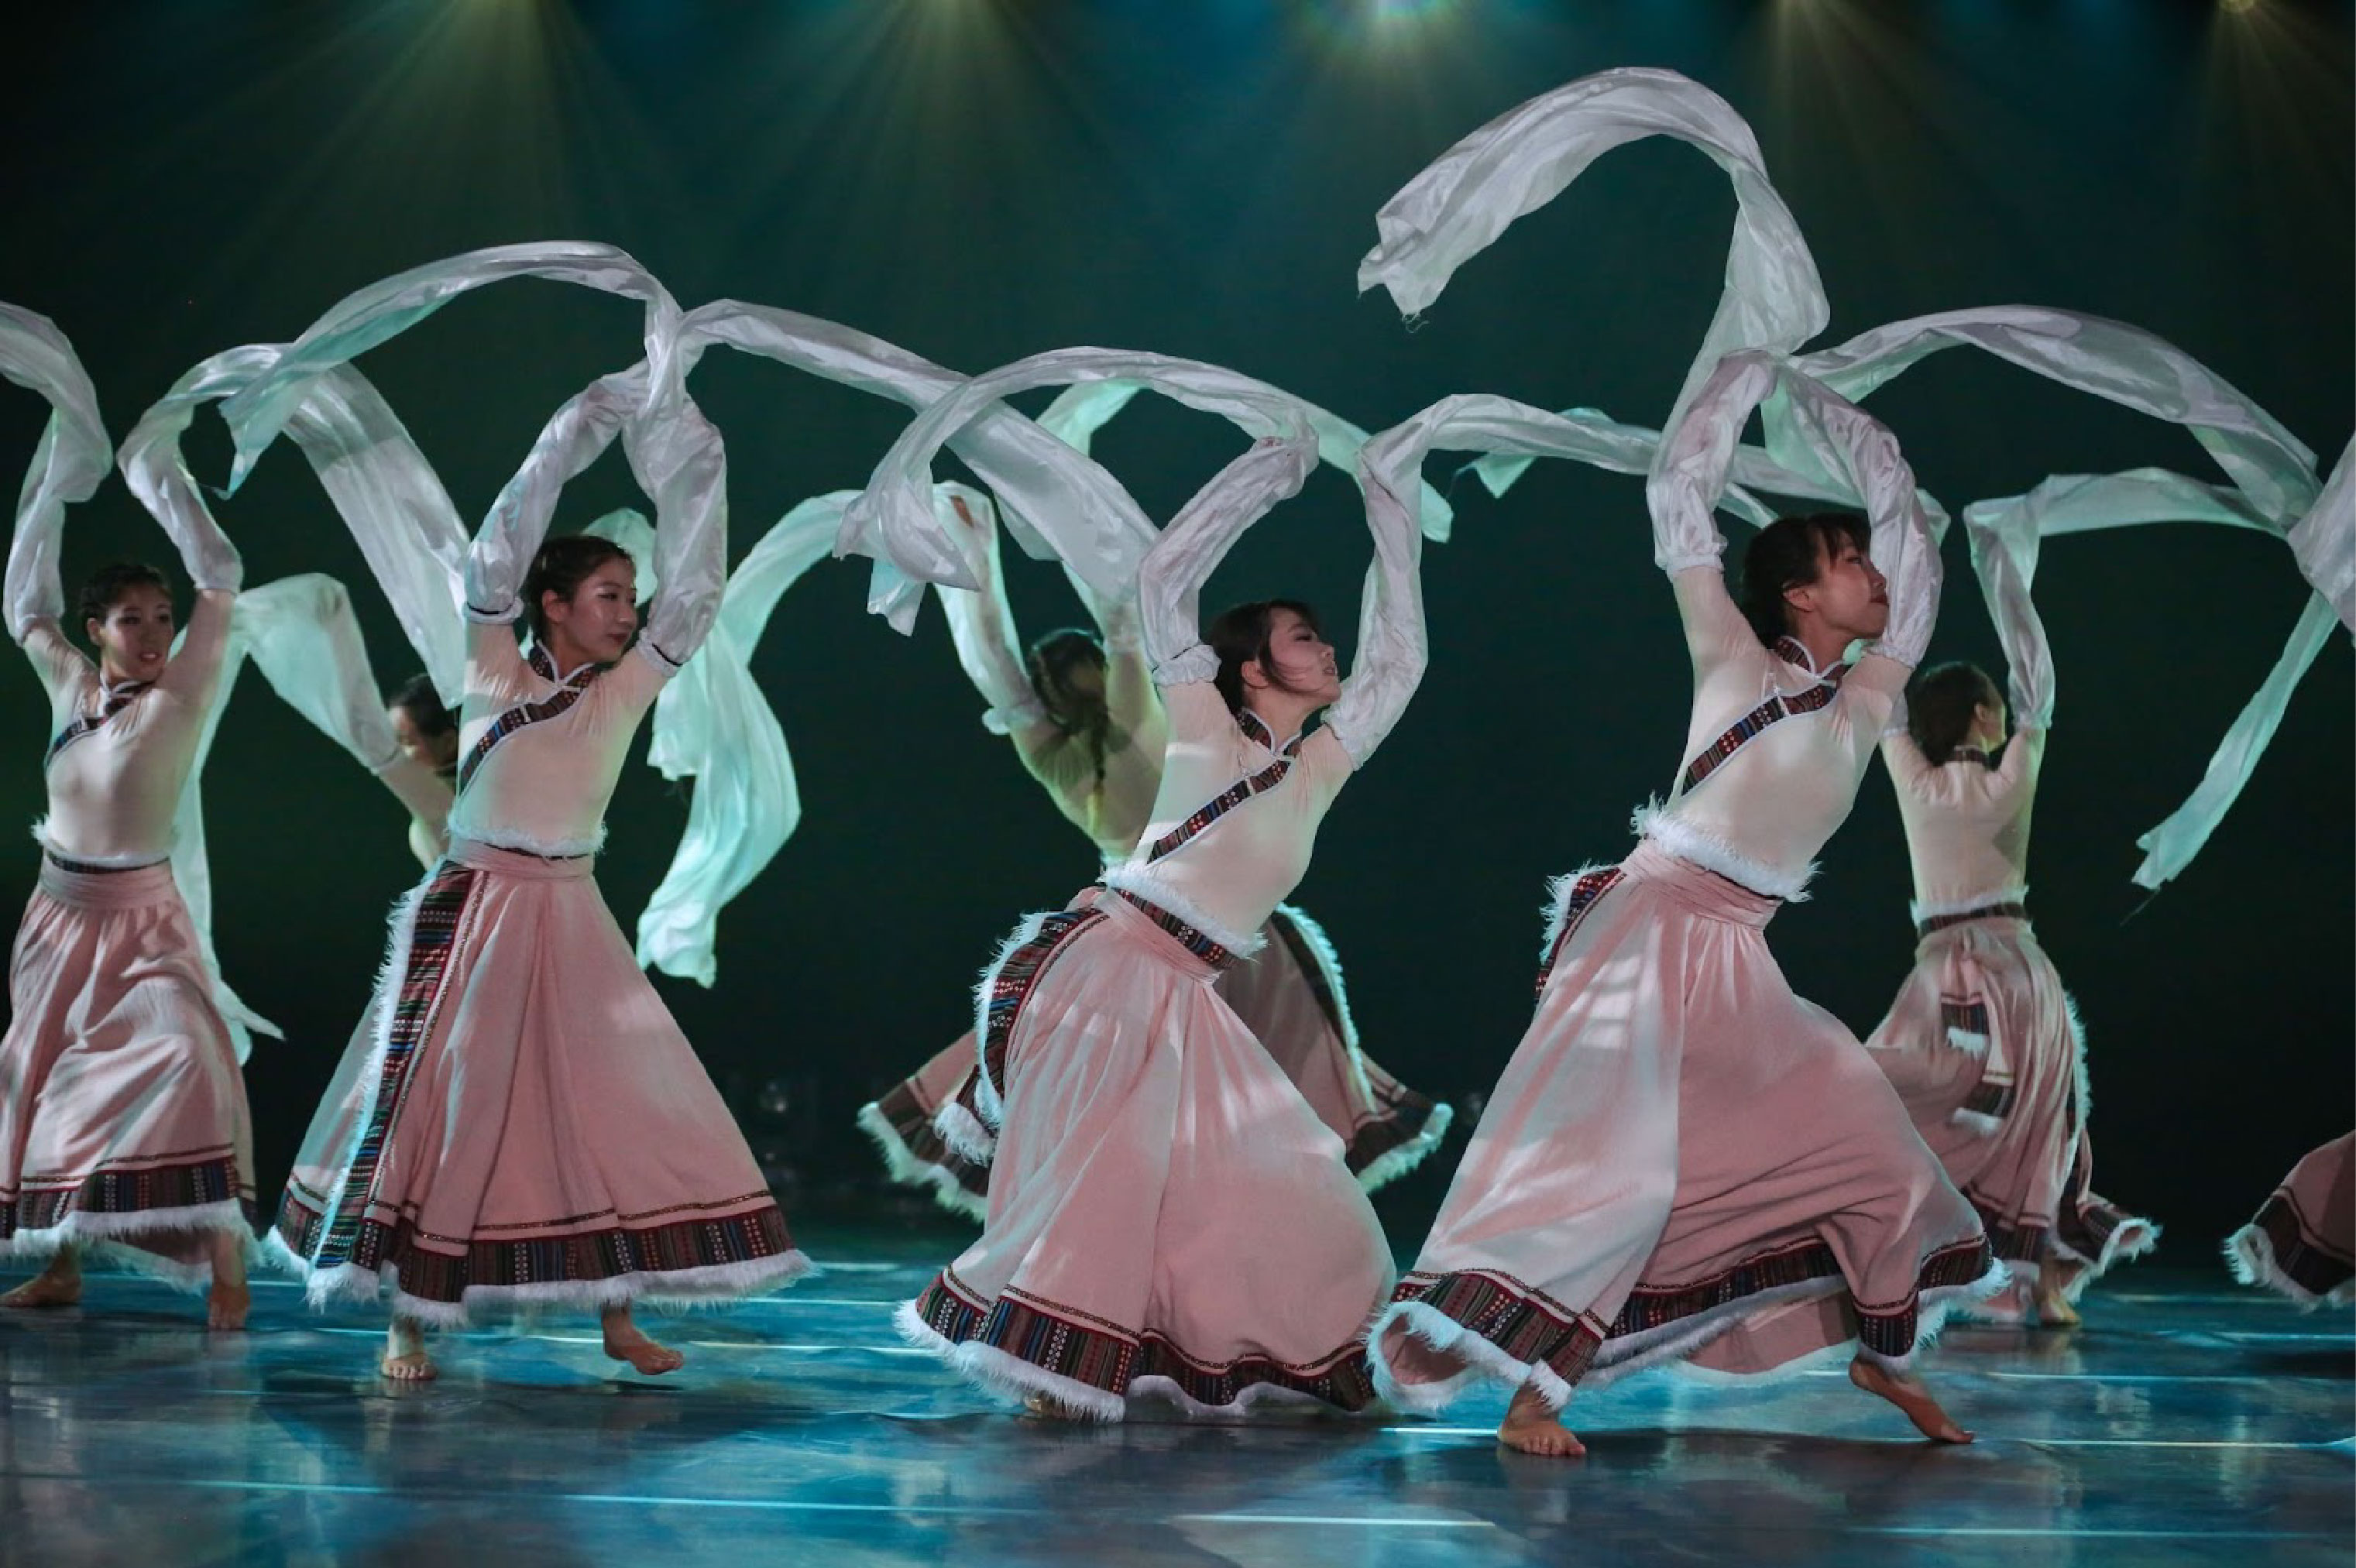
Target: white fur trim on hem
(986,1097)
(1484,1361)
(964,1132)
(1146,883)
(1920,909)
(1007,1375)
(1699,847)
(1935,1307)
(1153,1389)
(1681,1340)
(1685,1337)
(1329,962)
(1394,1163)
(715,1284)
(901,1164)
(2134,1238)
(1558,904)
(1971,1043)
(2250,1253)
(389,977)
(112,1239)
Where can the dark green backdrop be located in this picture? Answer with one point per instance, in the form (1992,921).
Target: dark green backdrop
(981,180)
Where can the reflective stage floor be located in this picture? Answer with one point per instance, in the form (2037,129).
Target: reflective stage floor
(2190,1422)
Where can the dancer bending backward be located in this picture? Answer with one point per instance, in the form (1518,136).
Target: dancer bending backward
(518,1119)
(1683,1159)
(1983,1043)
(1085,717)
(1167,1216)
(124,1124)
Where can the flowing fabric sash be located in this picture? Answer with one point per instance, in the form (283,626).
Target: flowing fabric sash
(527,713)
(86,725)
(1235,794)
(1768,714)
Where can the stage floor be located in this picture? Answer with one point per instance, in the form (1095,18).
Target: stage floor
(2191,1422)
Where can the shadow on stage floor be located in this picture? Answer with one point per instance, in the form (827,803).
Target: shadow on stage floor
(2188,1422)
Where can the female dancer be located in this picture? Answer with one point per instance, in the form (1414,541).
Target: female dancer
(1683,1159)
(427,734)
(1983,1043)
(2302,1242)
(123,1116)
(517,1117)
(1084,718)
(1166,1216)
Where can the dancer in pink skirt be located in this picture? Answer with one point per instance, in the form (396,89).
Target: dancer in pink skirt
(518,1119)
(1683,1161)
(2302,1242)
(123,1125)
(1084,718)
(1167,1217)
(1982,1044)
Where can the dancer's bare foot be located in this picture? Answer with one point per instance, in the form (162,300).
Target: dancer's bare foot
(625,1341)
(2054,1310)
(1909,1394)
(1047,1407)
(59,1285)
(406,1361)
(2054,1278)
(1532,1427)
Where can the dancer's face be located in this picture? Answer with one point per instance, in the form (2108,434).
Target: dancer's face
(435,751)
(1298,660)
(601,615)
(134,638)
(1849,594)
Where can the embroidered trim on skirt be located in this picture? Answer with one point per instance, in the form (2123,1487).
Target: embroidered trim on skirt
(1293,1001)
(1682,1161)
(2302,1242)
(124,1124)
(1167,1217)
(518,1118)
(1985,1048)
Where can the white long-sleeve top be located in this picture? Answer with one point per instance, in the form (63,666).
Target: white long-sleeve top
(1228,879)
(558,738)
(1761,816)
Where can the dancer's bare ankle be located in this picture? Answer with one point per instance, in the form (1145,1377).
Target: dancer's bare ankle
(406,1361)
(1533,1426)
(626,1342)
(59,1285)
(1910,1394)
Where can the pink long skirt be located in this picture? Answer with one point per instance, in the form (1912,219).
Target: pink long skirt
(123,1127)
(2302,1242)
(1984,1047)
(1683,1161)
(518,1119)
(1292,1001)
(1167,1219)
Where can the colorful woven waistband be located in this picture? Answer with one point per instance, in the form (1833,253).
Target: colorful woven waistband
(2014,910)
(1209,949)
